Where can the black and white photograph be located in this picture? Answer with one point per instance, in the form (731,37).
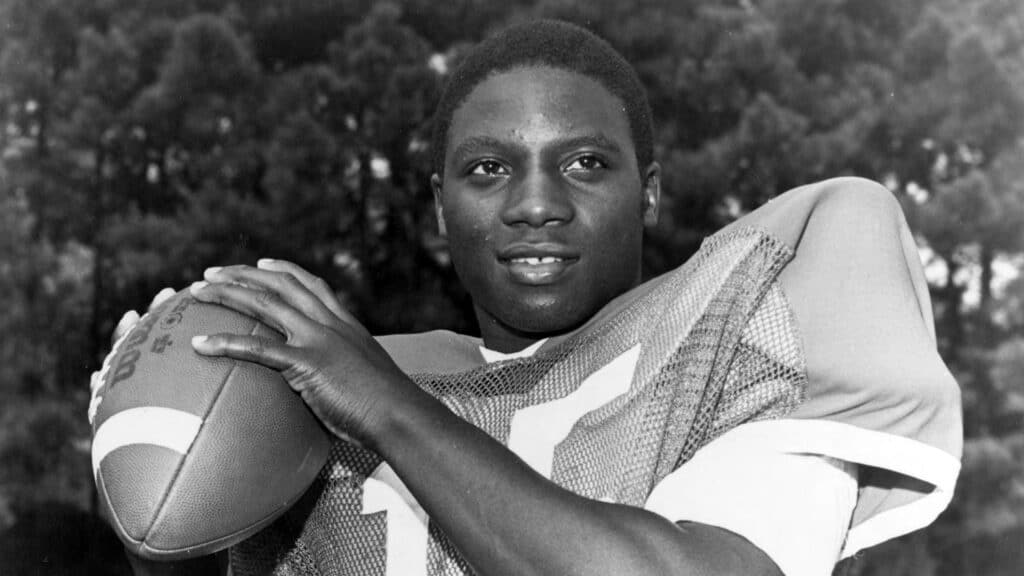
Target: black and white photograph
(512,287)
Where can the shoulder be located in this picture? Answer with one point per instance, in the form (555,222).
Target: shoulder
(836,206)
(862,313)
(877,393)
(857,302)
(858,294)
(437,351)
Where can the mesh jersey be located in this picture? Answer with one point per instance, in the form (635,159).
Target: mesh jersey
(717,345)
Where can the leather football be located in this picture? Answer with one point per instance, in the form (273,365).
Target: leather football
(192,454)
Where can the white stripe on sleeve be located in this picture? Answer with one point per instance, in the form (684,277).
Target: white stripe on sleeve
(795,507)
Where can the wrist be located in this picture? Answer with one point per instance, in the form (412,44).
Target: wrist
(407,418)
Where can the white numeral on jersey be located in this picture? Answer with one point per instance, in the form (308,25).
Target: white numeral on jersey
(537,430)
(406,521)
(534,434)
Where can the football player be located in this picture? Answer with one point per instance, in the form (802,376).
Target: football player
(770,407)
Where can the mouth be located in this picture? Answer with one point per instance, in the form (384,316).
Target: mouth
(537,266)
(536,260)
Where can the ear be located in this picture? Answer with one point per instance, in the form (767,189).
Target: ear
(652,194)
(436,183)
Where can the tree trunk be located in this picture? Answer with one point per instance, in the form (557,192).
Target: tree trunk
(953,319)
(362,201)
(987,255)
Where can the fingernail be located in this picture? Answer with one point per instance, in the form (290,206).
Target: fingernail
(129,317)
(161,297)
(196,286)
(212,270)
(263,262)
(197,340)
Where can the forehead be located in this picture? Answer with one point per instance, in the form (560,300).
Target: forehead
(536,104)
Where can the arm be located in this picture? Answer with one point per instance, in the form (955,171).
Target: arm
(502,516)
(507,519)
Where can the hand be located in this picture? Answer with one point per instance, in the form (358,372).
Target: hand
(124,325)
(328,357)
(131,317)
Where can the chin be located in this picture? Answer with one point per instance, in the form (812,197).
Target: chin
(547,318)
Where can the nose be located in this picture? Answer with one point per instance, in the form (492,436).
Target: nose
(537,200)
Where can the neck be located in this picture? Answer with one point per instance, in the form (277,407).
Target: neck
(502,338)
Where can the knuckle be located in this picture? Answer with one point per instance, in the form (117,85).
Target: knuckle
(256,347)
(290,281)
(235,273)
(266,298)
(322,285)
(316,375)
(304,376)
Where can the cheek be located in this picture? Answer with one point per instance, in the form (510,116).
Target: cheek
(469,238)
(466,222)
(621,223)
(618,242)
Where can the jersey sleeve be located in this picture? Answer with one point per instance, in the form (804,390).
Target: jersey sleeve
(437,351)
(876,394)
(794,507)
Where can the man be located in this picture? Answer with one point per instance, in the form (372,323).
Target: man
(771,406)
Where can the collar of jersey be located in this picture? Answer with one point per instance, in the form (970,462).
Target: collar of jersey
(495,356)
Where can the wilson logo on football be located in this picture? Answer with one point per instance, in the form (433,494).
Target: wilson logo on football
(175,315)
(130,355)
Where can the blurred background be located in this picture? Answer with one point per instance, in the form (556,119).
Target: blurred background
(143,141)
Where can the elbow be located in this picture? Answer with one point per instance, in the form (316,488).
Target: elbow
(651,544)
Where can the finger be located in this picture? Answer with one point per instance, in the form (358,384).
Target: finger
(161,296)
(313,283)
(263,304)
(129,319)
(285,285)
(94,400)
(94,382)
(269,353)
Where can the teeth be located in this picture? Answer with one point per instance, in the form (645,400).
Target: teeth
(534,261)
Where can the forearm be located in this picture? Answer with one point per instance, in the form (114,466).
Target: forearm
(507,519)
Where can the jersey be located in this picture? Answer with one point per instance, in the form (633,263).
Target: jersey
(786,319)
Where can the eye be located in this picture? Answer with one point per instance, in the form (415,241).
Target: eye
(586,162)
(488,168)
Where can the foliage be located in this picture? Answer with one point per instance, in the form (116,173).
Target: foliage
(143,141)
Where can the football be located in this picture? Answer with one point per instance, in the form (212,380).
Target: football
(192,454)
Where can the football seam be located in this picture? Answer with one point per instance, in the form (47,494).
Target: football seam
(238,535)
(177,472)
(113,515)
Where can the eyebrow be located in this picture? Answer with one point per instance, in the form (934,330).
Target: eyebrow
(475,144)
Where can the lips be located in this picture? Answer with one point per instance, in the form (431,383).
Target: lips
(536,260)
(537,264)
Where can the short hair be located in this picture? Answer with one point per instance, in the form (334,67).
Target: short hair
(555,44)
